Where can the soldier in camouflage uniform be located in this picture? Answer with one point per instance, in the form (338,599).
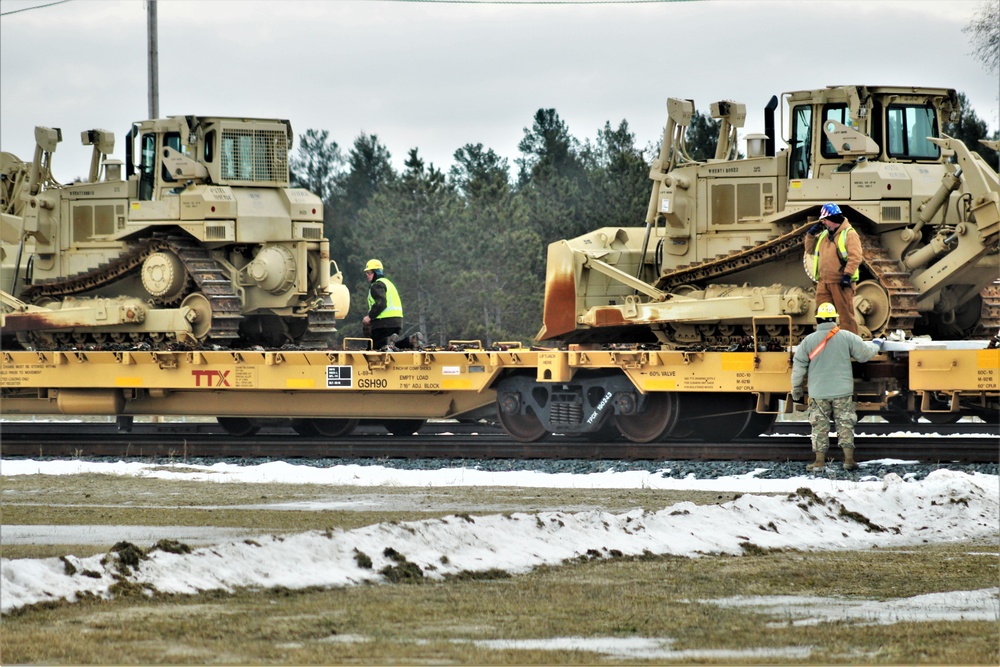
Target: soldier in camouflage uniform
(825,357)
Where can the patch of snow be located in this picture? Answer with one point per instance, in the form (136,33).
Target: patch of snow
(640,648)
(981,605)
(835,515)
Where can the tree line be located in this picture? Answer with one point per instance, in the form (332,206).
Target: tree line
(466,248)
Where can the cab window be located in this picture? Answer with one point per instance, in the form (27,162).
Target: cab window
(209,146)
(908,128)
(801,141)
(837,112)
(147,168)
(173,140)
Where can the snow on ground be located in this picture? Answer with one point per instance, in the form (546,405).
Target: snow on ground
(983,605)
(369,476)
(824,515)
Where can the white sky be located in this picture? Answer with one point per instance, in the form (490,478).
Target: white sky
(945,506)
(438,76)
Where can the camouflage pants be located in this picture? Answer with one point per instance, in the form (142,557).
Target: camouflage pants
(839,410)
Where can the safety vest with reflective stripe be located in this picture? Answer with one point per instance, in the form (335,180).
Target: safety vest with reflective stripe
(393,306)
(841,249)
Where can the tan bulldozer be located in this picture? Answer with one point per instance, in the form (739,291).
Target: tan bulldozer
(201,240)
(720,257)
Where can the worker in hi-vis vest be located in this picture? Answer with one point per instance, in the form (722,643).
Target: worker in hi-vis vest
(833,250)
(384,320)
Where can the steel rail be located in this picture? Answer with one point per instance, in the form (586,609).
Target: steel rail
(473,442)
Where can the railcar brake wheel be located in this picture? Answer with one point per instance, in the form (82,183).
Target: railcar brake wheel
(522,427)
(659,417)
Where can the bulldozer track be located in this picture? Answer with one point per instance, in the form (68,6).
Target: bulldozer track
(989,321)
(205,276)
(320,329)
(722,265)
(893,278)
(214,285)
(895,281)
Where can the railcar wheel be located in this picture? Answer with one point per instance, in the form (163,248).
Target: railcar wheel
(606,432)
(403,426)
(942,417)
(656,421)
(757,424)
(522,427)
(988,416)
(899,417)
(324,428)
(723,417)
(238,426)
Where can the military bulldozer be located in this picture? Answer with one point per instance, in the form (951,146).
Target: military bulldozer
(201,241)
(720,258)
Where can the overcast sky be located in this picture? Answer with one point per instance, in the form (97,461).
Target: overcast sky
(439,75)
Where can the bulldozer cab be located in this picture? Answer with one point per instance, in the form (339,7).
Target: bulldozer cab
(895,125)
(179,151)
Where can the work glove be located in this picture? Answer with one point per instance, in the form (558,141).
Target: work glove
(816,229)
(798,402)
(879,342)
(845,281)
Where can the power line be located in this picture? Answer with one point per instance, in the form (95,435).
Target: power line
(533,2)
(454,2)
(28,9)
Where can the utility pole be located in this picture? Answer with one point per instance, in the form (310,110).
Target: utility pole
(153,70)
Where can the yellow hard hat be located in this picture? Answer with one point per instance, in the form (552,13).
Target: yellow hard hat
(826,311)
(373,265)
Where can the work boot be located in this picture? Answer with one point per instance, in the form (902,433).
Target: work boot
(819,463)
(849,463)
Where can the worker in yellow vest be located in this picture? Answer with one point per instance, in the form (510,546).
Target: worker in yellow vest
(836,259)
(385,310)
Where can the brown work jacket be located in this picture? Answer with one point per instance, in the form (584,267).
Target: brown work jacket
(830,266)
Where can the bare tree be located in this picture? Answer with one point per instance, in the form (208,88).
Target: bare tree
(984,31)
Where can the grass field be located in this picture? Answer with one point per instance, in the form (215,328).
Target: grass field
(622,610)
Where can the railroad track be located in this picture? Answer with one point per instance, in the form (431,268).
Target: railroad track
(969,443)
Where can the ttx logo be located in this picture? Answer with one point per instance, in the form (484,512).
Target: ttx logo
(211,378)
